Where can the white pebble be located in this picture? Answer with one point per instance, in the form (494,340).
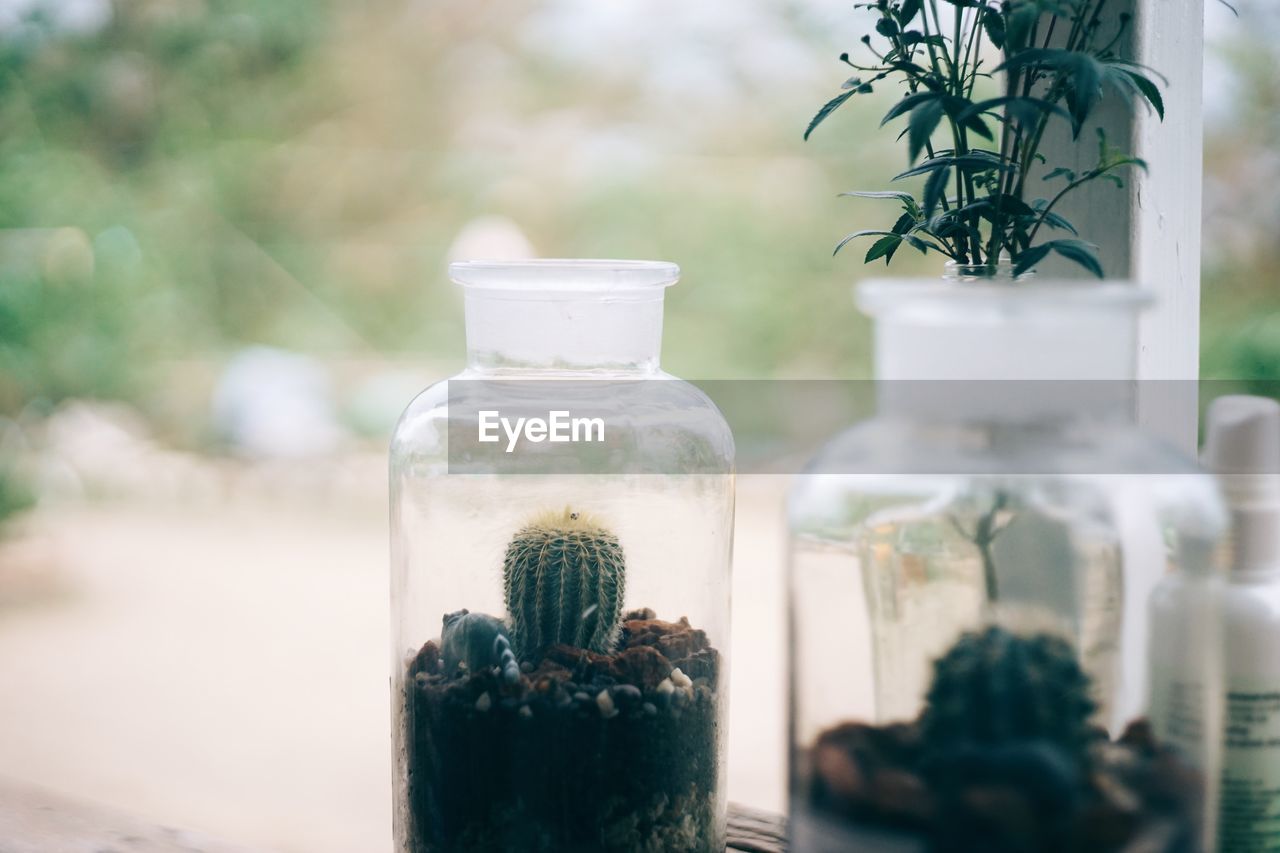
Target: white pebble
(525,712)
(605,703)
(484,703)
(680,679)
(666,687)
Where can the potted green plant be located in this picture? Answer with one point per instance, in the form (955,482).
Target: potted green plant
(980,204)
(978,549)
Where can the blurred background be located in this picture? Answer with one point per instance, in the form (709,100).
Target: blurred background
(224,226)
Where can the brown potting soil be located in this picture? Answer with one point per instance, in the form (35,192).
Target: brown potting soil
(606,753)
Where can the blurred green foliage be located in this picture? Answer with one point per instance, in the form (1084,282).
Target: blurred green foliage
(1241,303)
(198,174)
(15,494)
(114,175)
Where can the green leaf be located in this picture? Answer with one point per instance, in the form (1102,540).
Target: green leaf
(883,248)
(905,222)
(901,196)
(1026,110)
(827,109)
(1029,258)
(1081,74)
(915,242)
(993,23)
(1082,253)
(910,8)
(1149,90)
(1061,172)
(908,104)
(1034,57)
(849,238)
(923,122)
(934,188)
(886,27)
(978,126)
(1053,220)
(1018,24)
(1009,205)
(974,161)
(1084,92)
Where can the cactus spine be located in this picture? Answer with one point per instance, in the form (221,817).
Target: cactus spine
(564,578)
(996,688)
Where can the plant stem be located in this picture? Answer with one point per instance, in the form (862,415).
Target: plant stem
(1044,214)
(983,538)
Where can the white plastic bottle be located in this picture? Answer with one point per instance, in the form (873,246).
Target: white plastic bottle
(1243,449)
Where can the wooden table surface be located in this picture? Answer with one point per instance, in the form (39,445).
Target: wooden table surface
(37,822)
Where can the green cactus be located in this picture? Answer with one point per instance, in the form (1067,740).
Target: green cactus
(995,688)
(564,577)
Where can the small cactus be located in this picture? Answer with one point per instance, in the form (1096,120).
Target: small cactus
(564,578)
(995,688)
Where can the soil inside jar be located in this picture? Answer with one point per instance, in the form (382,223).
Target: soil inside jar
(587,752)
(1133,794)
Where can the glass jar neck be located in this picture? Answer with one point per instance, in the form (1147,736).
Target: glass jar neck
(564,316)
(1000,271)
(557,333)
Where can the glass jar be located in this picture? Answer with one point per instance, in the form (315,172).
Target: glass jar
(560,607)
(970,577)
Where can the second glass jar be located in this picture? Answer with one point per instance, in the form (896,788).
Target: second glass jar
(970,576)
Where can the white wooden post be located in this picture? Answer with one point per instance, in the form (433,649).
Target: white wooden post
(1151,232)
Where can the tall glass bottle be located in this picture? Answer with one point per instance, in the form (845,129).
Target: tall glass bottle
(971,569)
(560,591)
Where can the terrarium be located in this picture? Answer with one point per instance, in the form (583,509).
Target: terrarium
(560,553)
(970,576)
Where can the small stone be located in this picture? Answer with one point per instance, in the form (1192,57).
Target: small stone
(526,667)
(679,679)
(421,679)
(584,698)
(627,693)
(649,709)
(525,712)
(701,664)
(605,703)
(666,688)
(484,703)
